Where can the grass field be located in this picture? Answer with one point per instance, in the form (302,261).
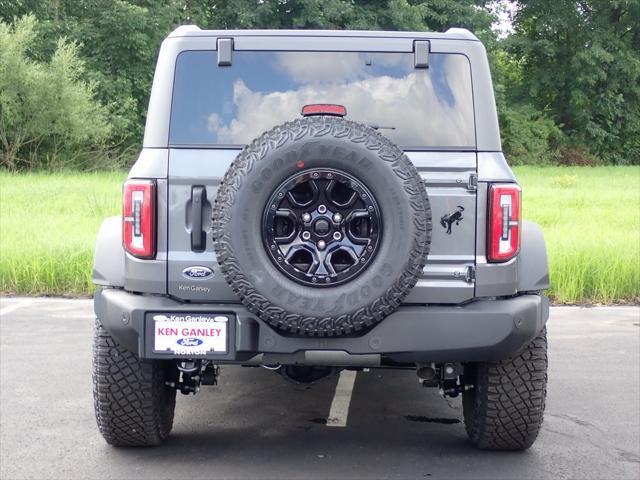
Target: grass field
(591,219)
(48,226)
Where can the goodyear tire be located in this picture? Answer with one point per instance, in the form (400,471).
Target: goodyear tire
(505,407)
(377,178)
(133,406)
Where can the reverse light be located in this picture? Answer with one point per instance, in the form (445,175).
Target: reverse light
(324,109)
(503,242)
(139,218)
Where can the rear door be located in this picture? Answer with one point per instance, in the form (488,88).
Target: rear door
(450,178)
(222,102)
(194,177)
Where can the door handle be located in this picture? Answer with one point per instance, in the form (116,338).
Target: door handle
(198,237)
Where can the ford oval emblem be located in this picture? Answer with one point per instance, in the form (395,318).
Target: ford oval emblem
(197,272)
(190,342)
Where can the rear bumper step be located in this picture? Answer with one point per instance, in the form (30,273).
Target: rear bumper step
(484,330)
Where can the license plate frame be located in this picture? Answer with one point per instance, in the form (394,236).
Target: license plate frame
(196,334)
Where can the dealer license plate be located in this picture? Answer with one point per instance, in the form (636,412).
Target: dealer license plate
(190,334)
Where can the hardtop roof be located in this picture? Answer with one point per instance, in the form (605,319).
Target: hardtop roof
(450,34)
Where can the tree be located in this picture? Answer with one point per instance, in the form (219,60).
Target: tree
(581,63)
(44,106)
(420,15)
(119,39)
(570,74)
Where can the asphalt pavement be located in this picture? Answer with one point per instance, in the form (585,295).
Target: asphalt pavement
(254,424)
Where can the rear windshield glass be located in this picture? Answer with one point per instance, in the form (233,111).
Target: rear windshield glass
(232,105)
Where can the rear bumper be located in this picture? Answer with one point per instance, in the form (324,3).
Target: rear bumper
(483,330)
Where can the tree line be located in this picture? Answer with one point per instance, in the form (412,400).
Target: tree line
(75,75)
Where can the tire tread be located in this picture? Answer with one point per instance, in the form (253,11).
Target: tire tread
(505,408)
(133,406)
(309,325)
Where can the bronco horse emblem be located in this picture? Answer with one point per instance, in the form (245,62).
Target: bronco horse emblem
(448,220)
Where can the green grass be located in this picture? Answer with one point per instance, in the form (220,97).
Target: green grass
(591,222)
(590,216)
(48,227)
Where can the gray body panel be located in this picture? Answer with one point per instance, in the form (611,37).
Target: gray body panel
(463,308)
(446,175)
(108,266)
(189,168)
(533,271)
(479,331)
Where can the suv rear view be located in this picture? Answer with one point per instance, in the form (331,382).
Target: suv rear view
(312,201)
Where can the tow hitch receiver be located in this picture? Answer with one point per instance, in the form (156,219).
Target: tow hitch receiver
(446,376)
(194,373)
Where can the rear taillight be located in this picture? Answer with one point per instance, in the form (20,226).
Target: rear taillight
(139,218)
(504,222)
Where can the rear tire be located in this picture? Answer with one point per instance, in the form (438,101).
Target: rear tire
(504,409)
(133,406)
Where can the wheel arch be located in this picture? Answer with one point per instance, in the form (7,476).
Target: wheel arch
(108,261)
(533,266)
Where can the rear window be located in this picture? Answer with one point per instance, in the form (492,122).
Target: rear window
(230,106)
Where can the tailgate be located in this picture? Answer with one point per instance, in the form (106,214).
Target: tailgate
(194,176)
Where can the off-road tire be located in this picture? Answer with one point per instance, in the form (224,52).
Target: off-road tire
(133,406)
(244,192)
(505,407)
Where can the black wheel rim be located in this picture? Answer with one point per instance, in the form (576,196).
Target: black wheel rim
(321,227)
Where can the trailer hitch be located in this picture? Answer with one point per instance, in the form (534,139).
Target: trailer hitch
(193,373)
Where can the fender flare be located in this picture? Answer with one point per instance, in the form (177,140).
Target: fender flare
(533,266)
(108,261)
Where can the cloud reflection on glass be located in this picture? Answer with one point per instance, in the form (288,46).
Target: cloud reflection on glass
(426,107)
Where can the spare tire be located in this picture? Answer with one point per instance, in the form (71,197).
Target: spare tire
(322,226)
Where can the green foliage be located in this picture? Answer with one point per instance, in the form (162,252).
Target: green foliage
(567,80)
(593,247)
(44,106)
(581,64)
(119,41)
(47,240)
(594,252)
(348,14)
(529,137)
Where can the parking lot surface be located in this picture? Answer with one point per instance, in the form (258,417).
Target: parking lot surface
(254,424)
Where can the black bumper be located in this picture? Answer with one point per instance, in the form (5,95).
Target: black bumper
(483,330)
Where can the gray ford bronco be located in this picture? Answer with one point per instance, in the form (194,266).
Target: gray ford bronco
(311,201)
